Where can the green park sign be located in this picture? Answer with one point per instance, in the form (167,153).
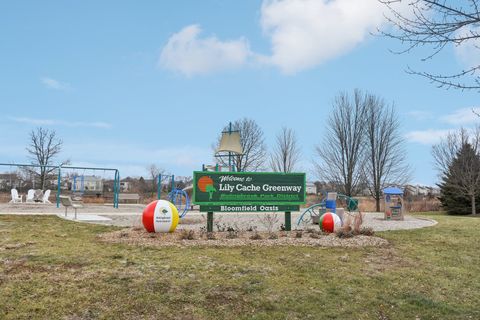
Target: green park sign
(248,190)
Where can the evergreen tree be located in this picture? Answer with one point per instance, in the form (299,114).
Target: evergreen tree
(460,186)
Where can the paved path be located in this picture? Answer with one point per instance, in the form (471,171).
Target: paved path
(130,215)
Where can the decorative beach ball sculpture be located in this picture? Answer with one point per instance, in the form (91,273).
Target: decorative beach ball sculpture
(160,216)
(330,222)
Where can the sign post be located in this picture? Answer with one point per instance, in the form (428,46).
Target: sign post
(210,221)
(248,192)
(288,221)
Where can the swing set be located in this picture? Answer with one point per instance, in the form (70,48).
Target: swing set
(79,181)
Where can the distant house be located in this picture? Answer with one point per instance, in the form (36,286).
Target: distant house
(125,186)
(311,188)
(11,180)
(87,184)
(419,190)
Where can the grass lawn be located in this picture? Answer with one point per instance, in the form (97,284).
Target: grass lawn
(55,269)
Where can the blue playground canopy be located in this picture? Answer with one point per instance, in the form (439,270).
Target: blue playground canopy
(393,191)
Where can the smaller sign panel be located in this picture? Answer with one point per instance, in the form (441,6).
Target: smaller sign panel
(250,208)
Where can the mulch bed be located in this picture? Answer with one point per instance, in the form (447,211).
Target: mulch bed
(139,237)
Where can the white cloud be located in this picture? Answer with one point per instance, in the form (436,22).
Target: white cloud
(54,122)
(187,53)
(429,136)
(55,84)
(462,116)
(303,34)
(420,115)
(468,52)
(306,33)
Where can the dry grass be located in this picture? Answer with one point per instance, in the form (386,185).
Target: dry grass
(56,269)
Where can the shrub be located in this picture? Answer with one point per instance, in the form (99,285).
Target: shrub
(343,234)
(211,236)
(367,231)
(357,222)
(232,234)
(347,223)
(187,235)
(314,235)
(269,221)
(256,236)
(272,236)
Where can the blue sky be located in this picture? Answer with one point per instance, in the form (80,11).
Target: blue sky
(128,83)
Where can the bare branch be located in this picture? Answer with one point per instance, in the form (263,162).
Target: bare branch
(253,144)
(340,156)
(286,153)
(385,156)
(43,148)
(436,24)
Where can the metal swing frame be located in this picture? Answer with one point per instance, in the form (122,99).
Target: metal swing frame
(116,183)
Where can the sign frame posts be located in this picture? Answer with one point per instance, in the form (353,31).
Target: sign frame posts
(288,221)
(210,221)
(249,192)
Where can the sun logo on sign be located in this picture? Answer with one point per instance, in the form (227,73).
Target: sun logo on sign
(205,184)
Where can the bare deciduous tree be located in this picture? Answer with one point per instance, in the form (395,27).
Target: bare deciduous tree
(385,157)
(43,148)
(447,149)
(153,172)
(437,24)
(286,153)
(253,144)
(341,152)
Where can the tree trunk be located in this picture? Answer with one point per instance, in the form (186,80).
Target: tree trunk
(474,211)
(377,203)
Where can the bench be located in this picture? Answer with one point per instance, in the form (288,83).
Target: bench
(129,196)
(66,201)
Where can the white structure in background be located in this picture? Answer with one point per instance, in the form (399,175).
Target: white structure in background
(311,188)
(87,184)
(419,190)
(11,180)
(125,186)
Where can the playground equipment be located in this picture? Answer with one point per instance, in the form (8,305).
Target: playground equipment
(230,146)
(181,200)
(57,174)
(179,197)
(393,203)
(329,204)
(160,216)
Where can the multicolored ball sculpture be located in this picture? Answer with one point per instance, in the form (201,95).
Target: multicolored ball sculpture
(160,216)
(329,222)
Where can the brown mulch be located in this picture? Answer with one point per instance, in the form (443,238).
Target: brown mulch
(139,237)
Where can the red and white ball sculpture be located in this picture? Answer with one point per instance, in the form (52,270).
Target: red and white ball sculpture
(330,222)
(160,216)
